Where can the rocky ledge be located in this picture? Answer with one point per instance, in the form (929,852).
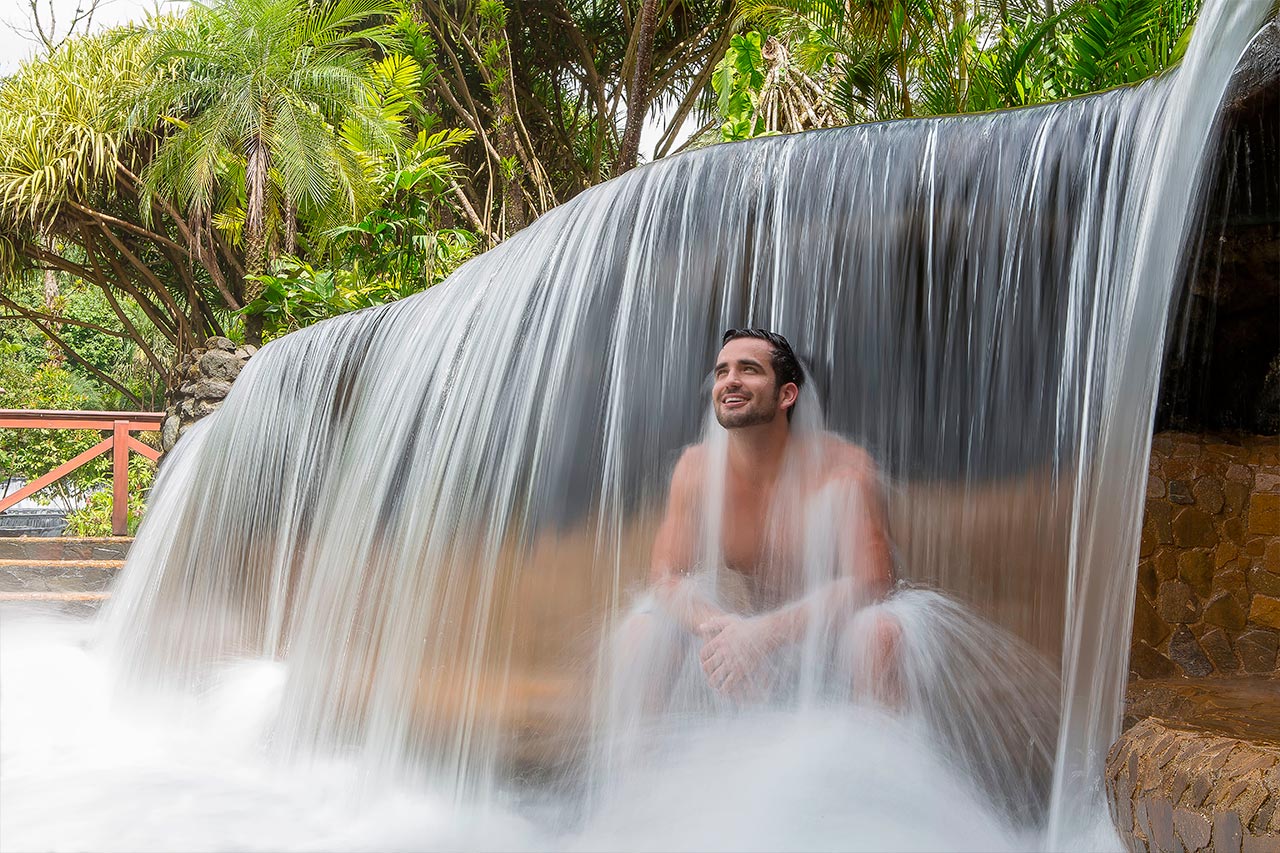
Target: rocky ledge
(205,375)
(1200,770)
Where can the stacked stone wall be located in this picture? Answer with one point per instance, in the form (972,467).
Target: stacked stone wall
(1208,598)
(1183,789)
(205,375)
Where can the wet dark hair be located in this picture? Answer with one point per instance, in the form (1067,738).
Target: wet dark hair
(786,367)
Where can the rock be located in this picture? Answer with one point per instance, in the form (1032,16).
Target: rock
(1264,515)
(1146,662)
(1218,648)
(1155,487)
(1176,604)
(1147,544)
(1257,650)
(218,364)
(169,432)
(1233,582)
(1180,492)
(250,350)
(1227,832)
(1208,494)
(1160,817)
(1196,568)
(1264,582)
(1192,827)
(1267,481)
(1239,473)
(1187,654)
(211,389)
(1235,495)
(1265,610)
(1224,554)
(1147,624)
(206,374)
(1271,558)
(1224,611)
(1148,582)
(1159,516)
(1193,528)
(220,343)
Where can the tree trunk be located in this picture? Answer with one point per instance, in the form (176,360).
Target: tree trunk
(960,16)
(290,224)
(902,78)
(255,232)
(51,294)
(638,88)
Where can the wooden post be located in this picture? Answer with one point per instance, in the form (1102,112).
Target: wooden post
(120,443)
(120,478)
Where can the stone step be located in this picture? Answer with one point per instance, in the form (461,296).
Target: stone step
(55,597)
(22,577)
(59,549)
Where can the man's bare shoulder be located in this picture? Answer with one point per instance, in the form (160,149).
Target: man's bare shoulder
(691,463)
(690,467)
(844,459)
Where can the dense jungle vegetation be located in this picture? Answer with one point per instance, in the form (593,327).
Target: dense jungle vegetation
(244,168)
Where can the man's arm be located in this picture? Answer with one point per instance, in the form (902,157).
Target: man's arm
(674,546)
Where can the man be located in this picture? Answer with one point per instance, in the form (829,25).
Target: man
(775,484)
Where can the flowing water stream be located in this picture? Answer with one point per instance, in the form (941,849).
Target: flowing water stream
(374,602)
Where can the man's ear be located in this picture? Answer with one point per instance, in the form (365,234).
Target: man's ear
(788,395)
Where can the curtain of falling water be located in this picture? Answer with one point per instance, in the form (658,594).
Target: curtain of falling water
(432,510)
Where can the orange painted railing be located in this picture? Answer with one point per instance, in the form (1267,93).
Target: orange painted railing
(120,442)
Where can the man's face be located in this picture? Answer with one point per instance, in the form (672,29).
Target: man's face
(746,392)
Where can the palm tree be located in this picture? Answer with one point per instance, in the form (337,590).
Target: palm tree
(71,202)
(880,59)
(255,93)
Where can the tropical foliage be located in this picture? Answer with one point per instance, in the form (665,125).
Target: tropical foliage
(247,167)
(848,61)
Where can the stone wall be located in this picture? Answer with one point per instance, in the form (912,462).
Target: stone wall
(205,376)
(1208,598)
(1175,788)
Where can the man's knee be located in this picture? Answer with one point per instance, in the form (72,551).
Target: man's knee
(645,636)
(874,649)
(885,635)
(637,629)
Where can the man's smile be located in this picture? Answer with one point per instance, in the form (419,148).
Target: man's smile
(733,401)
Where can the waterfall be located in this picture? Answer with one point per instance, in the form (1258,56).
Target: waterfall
(433,514)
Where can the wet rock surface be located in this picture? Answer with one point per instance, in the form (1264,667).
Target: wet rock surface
(1222,369)
(1199,767)
(1208,598)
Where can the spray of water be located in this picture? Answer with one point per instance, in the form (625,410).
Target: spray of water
(379,597)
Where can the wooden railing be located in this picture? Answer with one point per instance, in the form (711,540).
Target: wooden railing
(119,442)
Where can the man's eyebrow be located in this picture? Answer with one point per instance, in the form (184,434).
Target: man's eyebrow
(749,361)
